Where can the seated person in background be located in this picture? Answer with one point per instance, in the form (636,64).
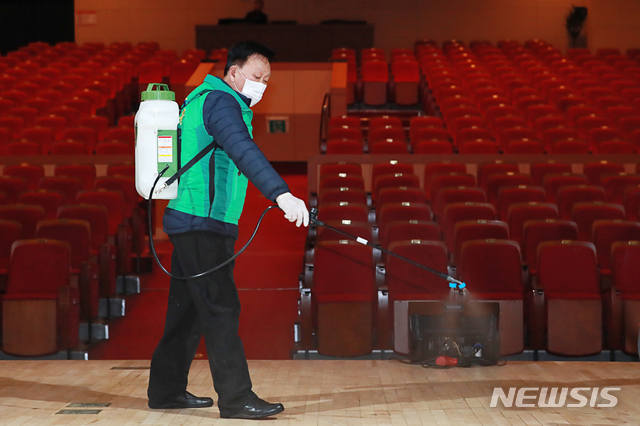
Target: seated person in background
(257,16)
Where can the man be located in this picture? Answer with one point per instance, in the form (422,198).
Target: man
(202,224)
(257,15)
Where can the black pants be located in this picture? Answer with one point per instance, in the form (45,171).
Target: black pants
(209,306)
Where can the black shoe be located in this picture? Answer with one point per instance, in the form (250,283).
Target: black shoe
(187,400)
(256,409)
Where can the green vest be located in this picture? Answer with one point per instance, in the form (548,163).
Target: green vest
(229,185)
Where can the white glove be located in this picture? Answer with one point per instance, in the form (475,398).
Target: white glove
(294,209)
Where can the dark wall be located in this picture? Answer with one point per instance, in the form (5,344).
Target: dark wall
(24,21)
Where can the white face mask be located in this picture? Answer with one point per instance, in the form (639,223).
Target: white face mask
(252,89)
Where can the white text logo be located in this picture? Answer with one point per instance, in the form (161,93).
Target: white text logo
(555,397)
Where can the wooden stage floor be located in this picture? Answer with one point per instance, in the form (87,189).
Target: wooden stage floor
(320,393)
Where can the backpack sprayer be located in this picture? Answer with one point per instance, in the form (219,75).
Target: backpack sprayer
(157,152)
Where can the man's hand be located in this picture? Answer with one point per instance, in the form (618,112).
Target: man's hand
(294,209)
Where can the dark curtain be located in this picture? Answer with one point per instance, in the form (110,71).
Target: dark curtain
(24,21)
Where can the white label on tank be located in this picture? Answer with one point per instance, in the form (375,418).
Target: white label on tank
(165,149)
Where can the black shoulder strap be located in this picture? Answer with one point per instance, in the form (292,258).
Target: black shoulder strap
(182,170)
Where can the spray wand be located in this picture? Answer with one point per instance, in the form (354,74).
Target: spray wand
(453,283)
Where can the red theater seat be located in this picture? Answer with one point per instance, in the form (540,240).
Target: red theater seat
(468,230)
(31,173)
(457,194)
(625,265)
(497,181)
(519,213)
(339,195)
(343,211)
(535,232)
(595,171)
(604,233)
(400,195)
(50,201)
(409,282)
(554,181)
(407,230)
(615,184)
(341,180)
(343,298)
(491,269)
(457,212)
(569,195)
(586,213)
(40,309)
(509,195)
(570,306)
(346,147)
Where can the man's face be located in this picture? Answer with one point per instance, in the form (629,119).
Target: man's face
(256,68)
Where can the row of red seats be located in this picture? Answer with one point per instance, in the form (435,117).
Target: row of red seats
(492,90)
(377,82)
(511,196)
(568,314)
(52,109)
(413,223)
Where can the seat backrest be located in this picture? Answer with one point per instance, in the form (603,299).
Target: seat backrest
(399,195)
(467,230)
(343,271)
(519,213)
(508,195)
(492,269)
(552,182)
(402,211)
(585,213)
(338,195)
(540,170)
(357,229)
(568,269)
(74,231)
(409,282)
(569,195)
(406,230)
(625,267)
(605,232)
(69,186)
(487,169)
(395,180)
(535,232)
(341,180)
(456,212)
(95,215)
(390,167)
(497,181)
(39,267)
(31,173)
(343,211)
(457,194)
(86,172)
(48,200)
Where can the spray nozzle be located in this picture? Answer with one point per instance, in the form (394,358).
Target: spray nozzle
(453,283)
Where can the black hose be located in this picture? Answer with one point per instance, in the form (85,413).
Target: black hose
(201,274)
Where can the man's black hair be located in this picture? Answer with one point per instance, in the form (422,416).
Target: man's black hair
(240,52)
